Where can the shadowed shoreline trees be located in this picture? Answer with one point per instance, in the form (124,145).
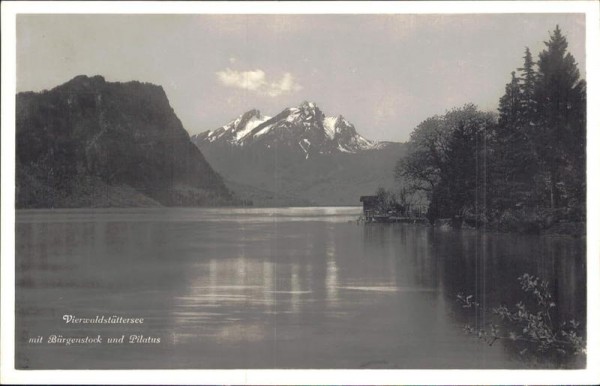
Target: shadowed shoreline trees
(521,169)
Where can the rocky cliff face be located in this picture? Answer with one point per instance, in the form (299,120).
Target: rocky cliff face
(90,143)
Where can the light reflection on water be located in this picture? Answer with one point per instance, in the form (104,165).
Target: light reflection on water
(275,288)
(179,215)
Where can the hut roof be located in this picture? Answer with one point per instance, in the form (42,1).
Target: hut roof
(368,199)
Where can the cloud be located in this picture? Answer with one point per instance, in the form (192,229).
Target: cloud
(256,80)
(248,80)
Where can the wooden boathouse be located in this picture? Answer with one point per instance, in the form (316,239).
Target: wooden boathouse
(370,206)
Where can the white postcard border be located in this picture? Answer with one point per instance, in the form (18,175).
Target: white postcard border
(8,374)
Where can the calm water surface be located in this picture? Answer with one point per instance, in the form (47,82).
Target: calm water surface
(272,288)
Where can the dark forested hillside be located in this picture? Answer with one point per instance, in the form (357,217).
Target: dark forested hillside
(92,143)
(524,170)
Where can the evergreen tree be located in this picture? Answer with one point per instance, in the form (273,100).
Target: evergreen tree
(515,165)
(510,104)
(507,145)
(528,82)
(532,156)
(560,131)
(531,178)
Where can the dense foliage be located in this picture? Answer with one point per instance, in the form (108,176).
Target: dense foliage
(525,164)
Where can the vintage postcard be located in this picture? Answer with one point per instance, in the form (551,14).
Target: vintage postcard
(294,192)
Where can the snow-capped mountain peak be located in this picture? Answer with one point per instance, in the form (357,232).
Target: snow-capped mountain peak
(235,130)
(309,110)
(303,129)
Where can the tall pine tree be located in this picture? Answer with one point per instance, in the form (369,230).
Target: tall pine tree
(510,104)
(505,165)
(560,133)
(528,83)
(514,166)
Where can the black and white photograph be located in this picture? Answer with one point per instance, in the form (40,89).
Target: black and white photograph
(295,187)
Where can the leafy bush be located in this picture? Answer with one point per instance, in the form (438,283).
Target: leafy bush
(530,329)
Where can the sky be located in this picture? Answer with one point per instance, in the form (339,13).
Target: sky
(383,73)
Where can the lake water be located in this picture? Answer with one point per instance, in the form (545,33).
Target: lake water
(273,288)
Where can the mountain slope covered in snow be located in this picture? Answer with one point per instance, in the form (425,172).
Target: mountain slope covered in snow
(300,153)
(303,129)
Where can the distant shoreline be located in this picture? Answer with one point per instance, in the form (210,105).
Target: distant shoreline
(192,207)
(575,229)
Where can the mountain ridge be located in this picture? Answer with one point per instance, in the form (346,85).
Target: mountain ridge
(300,154)
(305,126)
(93,143)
